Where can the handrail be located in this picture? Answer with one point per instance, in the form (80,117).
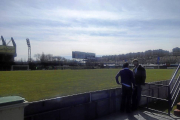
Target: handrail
(175,88)
(175,98)
(175,84)
(174,75)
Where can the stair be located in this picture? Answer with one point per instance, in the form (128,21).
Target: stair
(177,111)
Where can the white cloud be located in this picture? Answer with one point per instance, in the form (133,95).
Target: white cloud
(104,27)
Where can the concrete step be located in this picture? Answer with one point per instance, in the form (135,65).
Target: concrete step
(178,106)
(177,112)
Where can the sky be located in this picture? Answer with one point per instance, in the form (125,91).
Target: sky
(103,27)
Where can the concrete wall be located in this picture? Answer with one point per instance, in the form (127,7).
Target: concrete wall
(155,91)
(86,106)
(13,111)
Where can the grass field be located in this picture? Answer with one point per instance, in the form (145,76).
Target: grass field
(45,84)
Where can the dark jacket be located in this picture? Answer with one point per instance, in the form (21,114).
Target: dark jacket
(140,75)
(126,77)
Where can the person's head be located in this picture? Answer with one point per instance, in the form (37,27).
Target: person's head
(135,62)
(126,65)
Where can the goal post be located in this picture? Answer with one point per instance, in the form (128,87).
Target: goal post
(19,67)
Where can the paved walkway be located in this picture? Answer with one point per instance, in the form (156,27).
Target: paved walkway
(139,115)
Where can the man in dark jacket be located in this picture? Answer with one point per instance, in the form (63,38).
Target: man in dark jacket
(140,77)
(127,79)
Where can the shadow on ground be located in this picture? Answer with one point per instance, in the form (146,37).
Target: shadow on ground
(139,115)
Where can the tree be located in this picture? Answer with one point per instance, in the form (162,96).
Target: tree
(48,57)
(38,57)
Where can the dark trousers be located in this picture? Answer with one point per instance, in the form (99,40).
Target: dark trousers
(126,99)
(136,97)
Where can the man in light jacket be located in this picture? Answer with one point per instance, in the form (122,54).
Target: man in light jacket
(140,77)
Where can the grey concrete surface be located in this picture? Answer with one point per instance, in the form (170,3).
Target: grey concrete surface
(138,115)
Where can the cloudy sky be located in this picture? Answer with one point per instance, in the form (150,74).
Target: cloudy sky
(104,27)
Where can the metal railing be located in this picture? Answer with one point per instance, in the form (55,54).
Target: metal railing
(173,89)
(173,94)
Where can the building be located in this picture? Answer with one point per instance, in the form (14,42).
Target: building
(83,55)
(176,51)
(7,54)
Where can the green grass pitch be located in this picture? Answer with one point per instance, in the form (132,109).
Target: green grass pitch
(45,84)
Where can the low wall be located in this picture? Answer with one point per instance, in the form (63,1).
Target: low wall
(153,90)
(171,67)
(86,106)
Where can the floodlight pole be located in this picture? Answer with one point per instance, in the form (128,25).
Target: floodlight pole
(29,49)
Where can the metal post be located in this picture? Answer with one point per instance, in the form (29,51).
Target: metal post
(29,50)
(169,100)
(149,92)
(158,91)
(147,102)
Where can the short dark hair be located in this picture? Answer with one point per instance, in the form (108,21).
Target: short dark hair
(125,65)
(135,60)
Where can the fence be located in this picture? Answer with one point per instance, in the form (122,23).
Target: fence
(87,106)
(171,89)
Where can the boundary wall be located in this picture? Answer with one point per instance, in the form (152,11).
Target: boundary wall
(87,106)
